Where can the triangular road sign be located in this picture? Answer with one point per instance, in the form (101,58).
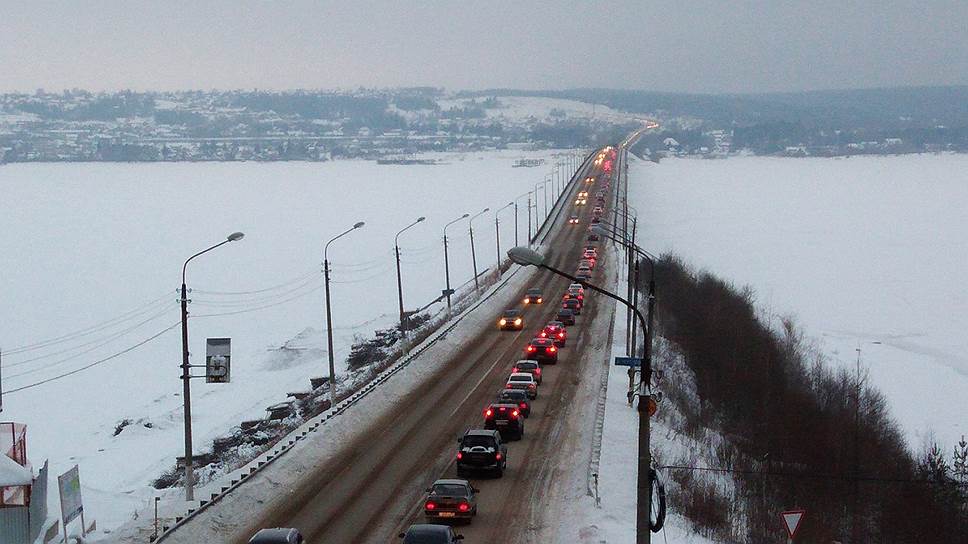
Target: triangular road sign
(791,520)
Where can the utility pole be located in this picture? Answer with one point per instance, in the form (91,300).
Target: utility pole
(329,314)
(187,368)
(477,285)
(447,289)
(396,249)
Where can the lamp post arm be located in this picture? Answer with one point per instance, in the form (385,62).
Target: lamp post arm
(337,237)
(597,289)
(396,239)
(185,266)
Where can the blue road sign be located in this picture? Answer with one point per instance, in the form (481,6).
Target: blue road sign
(628,361)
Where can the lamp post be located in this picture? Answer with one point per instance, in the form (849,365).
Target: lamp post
(396,249)
(547,181)
(186,370)
(329,314)
(470,230)
(497,233)
(537,224)
(519,197)
(527,257)
(448,291)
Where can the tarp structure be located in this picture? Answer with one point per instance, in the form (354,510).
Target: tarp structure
(16,476)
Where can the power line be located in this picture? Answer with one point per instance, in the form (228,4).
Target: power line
(256,300)
(131,314)
(258,291)
(247,310)
(95,363)
(820,476)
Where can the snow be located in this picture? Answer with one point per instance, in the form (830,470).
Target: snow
(89,242)
(13,474)
(868,253)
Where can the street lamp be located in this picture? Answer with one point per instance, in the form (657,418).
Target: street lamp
(497,232)
(329,314)
(516,199)
(448,291)
(537,227)
(396,249)
(470,229)
(527,257)
(186,371)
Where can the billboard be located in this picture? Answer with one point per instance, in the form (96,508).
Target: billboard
(218,358)
(69,485)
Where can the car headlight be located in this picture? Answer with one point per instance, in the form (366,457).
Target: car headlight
(517,321)
(504,322)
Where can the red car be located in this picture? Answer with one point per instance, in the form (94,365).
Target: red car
(542,350)
(556,332)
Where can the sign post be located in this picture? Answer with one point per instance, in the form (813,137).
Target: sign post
(69,486)
(791,521)
(218,360)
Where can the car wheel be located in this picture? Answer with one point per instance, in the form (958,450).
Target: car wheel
(499,473)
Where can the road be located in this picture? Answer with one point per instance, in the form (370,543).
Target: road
(373,489)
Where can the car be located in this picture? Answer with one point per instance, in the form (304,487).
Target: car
(590,253)
(598,209)
(512,320)
(533,296)
(566,316)
(592,237)
(582,194)
(583,269)
(572,304)
(506,418)
(542,350)
(576,287)
(516,396)
(278,535)
(589,179)
(451,499)
(581,201)
(481,450)
(556,332)
(589,263)
(583,276)
(523,381)
(428,533)
(573,220)
(530,366)
(596,220)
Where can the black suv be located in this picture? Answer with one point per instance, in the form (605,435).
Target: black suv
(516,396)
(512,320)
(481,450)
(533,296)
(506,418)
(542,350)
(566,316)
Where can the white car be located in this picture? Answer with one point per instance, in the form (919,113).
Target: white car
(524,381)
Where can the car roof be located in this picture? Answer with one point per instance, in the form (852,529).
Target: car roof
(554,324)
(451,481)
(541,341)
(519,374)
(565,311)
(272,536)
(502,405)
(480,432)
(513,311)
(514,393)
(428,529)
(534,290)
(526,362)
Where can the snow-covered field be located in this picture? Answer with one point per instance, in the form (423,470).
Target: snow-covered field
(92,259)
(867,253)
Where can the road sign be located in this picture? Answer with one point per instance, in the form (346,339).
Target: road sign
(69,485)
(447,292)
(628,361)
(218,360)
(791,521)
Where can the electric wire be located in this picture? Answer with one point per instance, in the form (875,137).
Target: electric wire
(104,339)
(257,300)
(257,308)
(95,363)
(97,327)
(258,291)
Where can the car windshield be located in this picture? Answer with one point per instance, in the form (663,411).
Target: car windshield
(565,312)
(511,313)
(520,378)
(534,291)
(471,441)
(449,490)
(527,366)
(513,395)
(425,536)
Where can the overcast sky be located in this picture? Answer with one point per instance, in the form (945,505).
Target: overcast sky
(695,46)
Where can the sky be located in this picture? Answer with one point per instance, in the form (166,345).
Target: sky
(706,46)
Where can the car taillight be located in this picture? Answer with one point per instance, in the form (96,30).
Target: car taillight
(552,349)
(497,456)
(543,334)
(464,507)
(530,348)
(503,409)
(430,506)
(514,413)
(524,405)
(488,413)
(561,334)
(515,369)
(537,371)
(460,455)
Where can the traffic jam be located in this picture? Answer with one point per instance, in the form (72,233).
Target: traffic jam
(483,451)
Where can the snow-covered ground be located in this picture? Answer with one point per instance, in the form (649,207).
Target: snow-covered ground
(867,253)
(92,258)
